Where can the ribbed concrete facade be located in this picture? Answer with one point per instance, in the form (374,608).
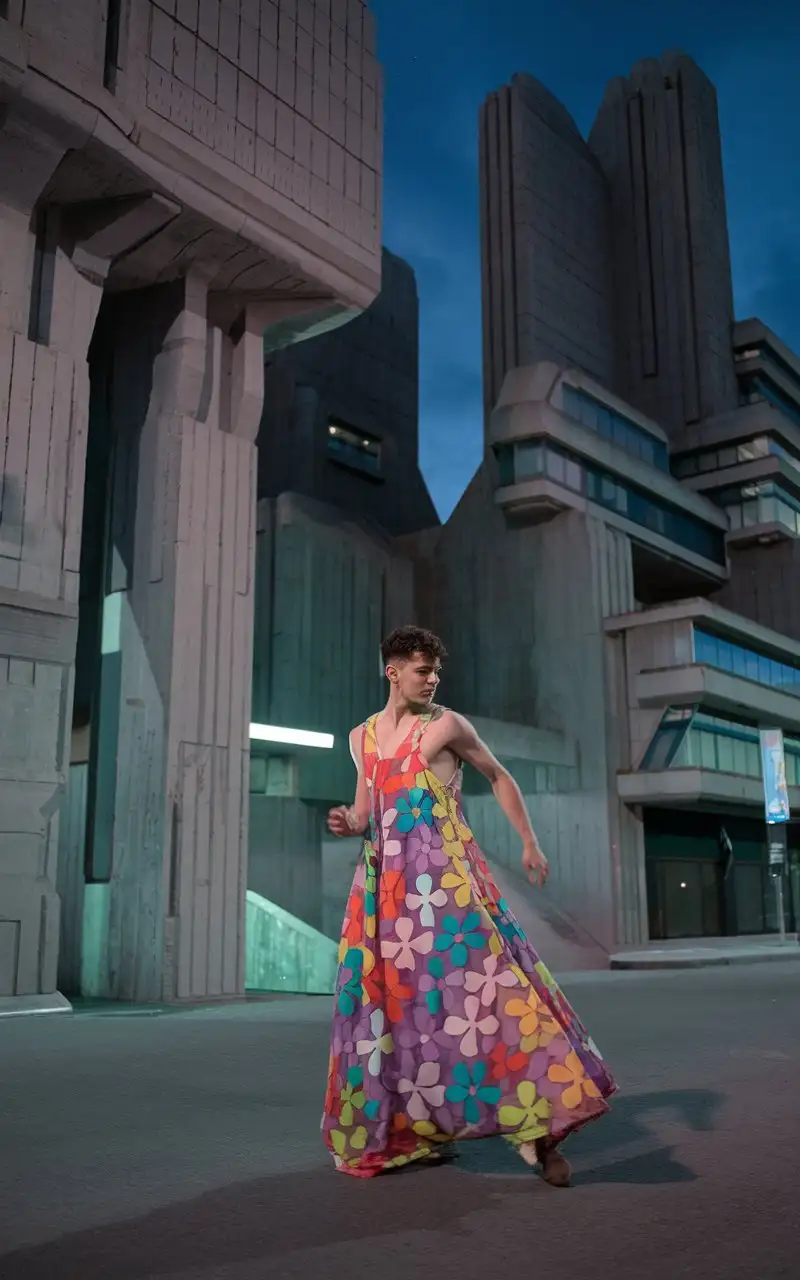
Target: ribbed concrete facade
(198,173)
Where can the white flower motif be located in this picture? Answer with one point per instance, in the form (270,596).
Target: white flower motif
(391,848)
(380,1045)
(405,951)
(426,899)
(425,1089)
(488,981)
(470,1025)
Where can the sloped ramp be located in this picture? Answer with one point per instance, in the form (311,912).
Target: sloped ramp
(563,944)
(283,953)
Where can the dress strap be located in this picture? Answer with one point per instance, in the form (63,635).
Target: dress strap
(422,725)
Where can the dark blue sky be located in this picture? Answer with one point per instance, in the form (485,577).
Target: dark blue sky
(442,57)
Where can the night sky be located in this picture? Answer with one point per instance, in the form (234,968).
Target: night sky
(441,58)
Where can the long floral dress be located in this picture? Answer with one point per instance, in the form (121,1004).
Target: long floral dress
(446,1023)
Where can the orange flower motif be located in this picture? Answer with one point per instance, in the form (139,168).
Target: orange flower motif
(505,1063)
(392,893)
(400,782)
(354,922)
(536,1025)
(396,992)
(573,1075)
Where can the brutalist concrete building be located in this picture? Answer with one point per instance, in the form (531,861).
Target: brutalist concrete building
(181,182)
(622,573)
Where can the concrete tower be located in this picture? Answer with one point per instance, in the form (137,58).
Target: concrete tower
(657,139)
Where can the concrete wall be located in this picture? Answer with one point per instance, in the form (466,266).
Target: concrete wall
(522,610)
(763,586)
(545,234)
(364,376)
(327,590)
(657,138)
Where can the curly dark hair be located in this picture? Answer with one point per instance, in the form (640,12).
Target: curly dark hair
(403,643)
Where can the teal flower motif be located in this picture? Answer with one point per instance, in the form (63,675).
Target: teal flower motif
(468,1087)
(509,927)
(414,811)
(350,994)
(352,1096)
(459,938)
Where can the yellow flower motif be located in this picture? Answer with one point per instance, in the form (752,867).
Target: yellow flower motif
(459,880)
(536,1026)
(495,943)
(358,1140)
(573,1075)
(425,1128)
(532,1111)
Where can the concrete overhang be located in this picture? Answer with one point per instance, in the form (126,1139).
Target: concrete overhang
(773,468)
(748,421)
(719,691)
(688,788)
(522,742)
(538,500)
(722,621)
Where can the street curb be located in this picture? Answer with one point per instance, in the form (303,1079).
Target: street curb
(713,961)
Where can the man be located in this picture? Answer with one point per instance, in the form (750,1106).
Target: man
(447,1025)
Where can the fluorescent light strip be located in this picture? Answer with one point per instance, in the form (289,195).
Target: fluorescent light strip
(292,737)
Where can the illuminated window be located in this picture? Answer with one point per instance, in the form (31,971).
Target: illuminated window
(354,449)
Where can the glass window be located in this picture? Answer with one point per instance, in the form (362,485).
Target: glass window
(529,458)
(354,449)
(714,651)
(555,466)
(613,426)
(573,475)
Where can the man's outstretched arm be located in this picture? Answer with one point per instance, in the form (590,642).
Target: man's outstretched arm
(467,745)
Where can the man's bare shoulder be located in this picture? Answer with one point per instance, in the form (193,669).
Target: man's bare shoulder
(453,724)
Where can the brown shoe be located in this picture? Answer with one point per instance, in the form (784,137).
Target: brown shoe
(555,1167)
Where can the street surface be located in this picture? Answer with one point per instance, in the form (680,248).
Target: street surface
(185,1146)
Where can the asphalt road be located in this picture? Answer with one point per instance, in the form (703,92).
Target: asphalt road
(186,1146)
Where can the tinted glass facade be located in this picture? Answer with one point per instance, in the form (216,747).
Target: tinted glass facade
(714,651)
(533,459)
(615,427)
(747,505)
(732,455)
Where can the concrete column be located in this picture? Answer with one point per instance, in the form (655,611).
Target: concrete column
(166,911)
(47,314)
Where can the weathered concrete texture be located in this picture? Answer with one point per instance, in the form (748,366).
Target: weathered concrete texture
(327,590)
(545,234)
(284,953)
(517,658)
(657,138)
(364,377)
(763,586)
(219,163)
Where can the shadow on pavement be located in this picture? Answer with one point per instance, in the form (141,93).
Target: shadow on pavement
(278,1215)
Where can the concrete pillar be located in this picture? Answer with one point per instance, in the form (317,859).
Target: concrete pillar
(169,842)
(47,314)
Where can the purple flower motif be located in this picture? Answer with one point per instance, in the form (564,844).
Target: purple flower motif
(418,1034)
(425,848)
(439,988)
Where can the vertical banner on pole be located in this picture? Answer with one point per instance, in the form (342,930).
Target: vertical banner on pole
(776,807)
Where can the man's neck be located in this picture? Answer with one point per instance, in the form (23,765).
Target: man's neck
(398,709)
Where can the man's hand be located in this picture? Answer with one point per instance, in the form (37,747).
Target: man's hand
(535,864)
(337,822)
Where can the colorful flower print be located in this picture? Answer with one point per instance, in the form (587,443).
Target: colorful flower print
(417,1036)
(508,925)
(352,1097)
(392,894)
(469,1026)
(354,920)
(505,1063)
(350,992)
(458,880)
(381,1043)
(423,1092)
(407,947)
(490,980)
(415,810)
(425,899)
(391,846)
(424,849)
(357,1140)
(573,1075)
(397,993)
(461,938)
(468,1087)
(437,987)
(536,1026)
(532,1110)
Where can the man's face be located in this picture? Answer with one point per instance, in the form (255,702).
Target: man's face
(417,679)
